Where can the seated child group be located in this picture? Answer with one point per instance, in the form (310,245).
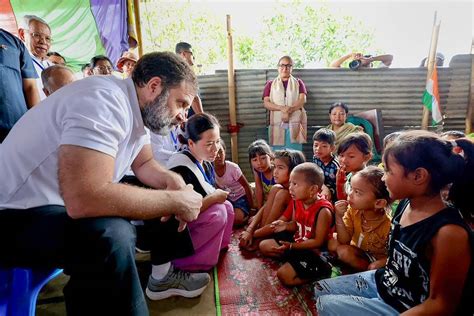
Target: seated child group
(332,216)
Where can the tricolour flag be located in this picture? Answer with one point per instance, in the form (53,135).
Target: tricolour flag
(431,97)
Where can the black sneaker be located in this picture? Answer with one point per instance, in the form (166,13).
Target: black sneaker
(177,283)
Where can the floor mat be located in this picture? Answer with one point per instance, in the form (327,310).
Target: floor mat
(247,284)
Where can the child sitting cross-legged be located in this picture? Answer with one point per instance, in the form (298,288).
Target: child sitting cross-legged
(278,198)
(362,223)
(429,270)
(306,225)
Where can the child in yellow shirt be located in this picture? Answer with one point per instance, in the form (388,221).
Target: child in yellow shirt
(362,223)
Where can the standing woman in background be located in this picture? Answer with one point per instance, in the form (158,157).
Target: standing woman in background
(285,97)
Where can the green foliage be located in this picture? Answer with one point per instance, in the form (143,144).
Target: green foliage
(308,32)
(166,23)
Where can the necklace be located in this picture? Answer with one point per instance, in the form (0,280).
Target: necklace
(371,223)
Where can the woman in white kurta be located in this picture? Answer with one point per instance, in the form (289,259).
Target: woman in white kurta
(285,97)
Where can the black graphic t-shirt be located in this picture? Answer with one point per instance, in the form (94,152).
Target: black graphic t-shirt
(405,281)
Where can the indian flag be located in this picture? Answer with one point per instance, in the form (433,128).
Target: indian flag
(431,97)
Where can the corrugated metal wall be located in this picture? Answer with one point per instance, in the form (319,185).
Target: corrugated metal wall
(397,92)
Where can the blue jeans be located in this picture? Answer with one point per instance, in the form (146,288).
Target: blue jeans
(97,253)
(354,294)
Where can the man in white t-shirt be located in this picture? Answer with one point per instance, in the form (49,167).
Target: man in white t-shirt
(61,203)
(163,146)
(36,34)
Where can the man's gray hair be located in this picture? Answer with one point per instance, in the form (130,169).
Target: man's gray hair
(28,18)
(49,72)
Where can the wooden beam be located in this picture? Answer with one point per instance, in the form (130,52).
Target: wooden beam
(136,11)
(231,86)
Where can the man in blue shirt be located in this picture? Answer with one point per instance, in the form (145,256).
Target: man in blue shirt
(18,82)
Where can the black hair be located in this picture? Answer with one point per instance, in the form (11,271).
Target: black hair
(222,142)
(171,68)
(390,138)
(422,149)
(85,66)
(439,60)
(182,46)
(312,173)
(339,105)
(360,140)
(198,124)
(292,157)
(373,175)
(56,54)
(286,57)
(96,59)
(453,134)
(258,148)
(325,135)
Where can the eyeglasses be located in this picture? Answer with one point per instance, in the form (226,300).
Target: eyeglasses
(38,36)
(288,66)
(104,68)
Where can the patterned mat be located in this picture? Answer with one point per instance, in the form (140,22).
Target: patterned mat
(247,284)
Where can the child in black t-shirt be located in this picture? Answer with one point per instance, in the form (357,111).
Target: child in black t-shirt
(429,270)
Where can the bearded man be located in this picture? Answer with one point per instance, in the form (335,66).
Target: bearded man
(61,203)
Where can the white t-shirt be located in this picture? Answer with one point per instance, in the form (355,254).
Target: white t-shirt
(40,65)
(99,112)
(164,146)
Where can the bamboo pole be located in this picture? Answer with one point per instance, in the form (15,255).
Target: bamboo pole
(471,96)
(136,11)
(431,65)
(231,86)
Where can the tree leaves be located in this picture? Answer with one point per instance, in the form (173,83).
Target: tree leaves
(308,32)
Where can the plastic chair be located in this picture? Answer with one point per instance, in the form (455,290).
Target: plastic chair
(19,289)
(368,129)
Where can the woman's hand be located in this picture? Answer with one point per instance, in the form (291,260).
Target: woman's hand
(220,196)
(285,114)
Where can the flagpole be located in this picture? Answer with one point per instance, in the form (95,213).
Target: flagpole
(431,65)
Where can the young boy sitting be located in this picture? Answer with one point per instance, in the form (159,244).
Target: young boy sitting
(323,147)
(306,225)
